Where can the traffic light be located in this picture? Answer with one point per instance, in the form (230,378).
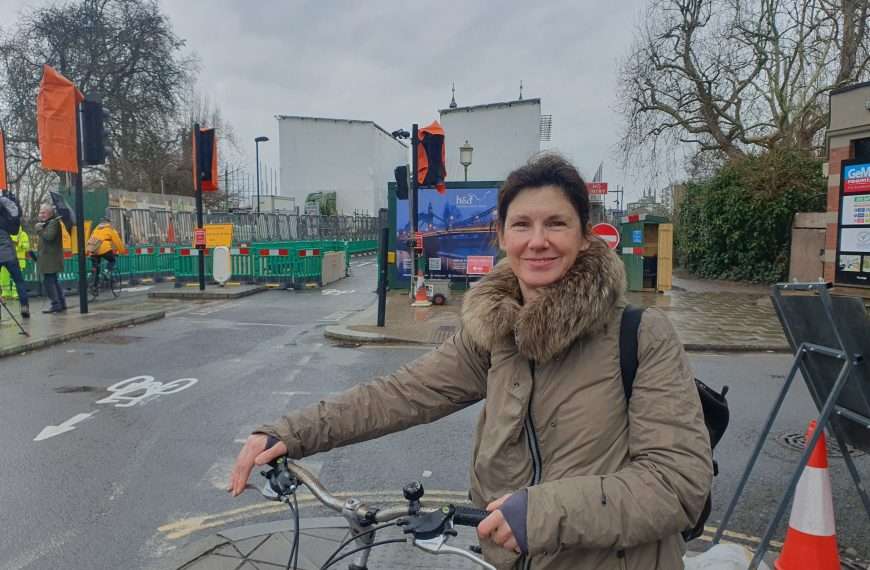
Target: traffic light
(93,133)
(401,174)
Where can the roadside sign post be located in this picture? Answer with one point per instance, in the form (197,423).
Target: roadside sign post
(199,233)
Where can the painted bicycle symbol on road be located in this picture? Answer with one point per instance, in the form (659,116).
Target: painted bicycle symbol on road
(140,389)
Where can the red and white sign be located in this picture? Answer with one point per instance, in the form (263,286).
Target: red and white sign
(608,233)
(856,178)
(199,238)
(478,264)
(597,188)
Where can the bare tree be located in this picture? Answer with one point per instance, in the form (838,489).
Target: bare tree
(123,52)
(730,76)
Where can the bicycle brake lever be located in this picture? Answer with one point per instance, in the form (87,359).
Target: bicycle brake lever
(438,545)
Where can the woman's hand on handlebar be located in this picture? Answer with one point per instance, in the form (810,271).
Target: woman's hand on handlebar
(254,452)
(495,528)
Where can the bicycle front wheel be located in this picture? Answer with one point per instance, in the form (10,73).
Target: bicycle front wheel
(115,283)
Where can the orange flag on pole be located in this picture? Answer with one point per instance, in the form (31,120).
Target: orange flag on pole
(56,108)
(4,184)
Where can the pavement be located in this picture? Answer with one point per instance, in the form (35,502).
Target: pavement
(709,316)
(136,305)
(191,292)
(48,330)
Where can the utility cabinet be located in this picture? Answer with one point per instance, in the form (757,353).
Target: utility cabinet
(647,252)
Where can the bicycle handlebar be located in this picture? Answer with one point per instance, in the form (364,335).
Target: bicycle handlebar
(288,475)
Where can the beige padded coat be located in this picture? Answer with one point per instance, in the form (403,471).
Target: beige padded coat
(610,485)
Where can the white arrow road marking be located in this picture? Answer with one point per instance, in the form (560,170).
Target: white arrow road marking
(69,425)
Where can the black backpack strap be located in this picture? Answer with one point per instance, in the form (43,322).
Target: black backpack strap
(628,347)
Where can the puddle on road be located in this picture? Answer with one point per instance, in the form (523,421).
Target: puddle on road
(78,389)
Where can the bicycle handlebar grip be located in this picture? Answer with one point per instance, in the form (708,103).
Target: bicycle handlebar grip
(468,516)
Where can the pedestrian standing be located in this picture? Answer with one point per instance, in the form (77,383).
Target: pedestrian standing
(22,248)
(50,260)
(10,223)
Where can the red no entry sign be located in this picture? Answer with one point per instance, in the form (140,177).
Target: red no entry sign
(608,233)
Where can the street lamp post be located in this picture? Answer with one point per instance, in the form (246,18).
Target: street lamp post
(465,157)
(257,142)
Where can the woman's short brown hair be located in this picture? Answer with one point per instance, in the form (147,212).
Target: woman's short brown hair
(548,169)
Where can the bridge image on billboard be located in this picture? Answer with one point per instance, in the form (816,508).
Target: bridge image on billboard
(455,225)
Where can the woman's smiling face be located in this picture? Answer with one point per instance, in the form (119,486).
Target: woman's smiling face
(541,237)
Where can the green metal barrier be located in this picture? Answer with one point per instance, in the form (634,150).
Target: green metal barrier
(187,264)
(165,261)
(242,264)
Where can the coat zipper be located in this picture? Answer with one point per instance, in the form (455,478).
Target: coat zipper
(531,434)
(534,449)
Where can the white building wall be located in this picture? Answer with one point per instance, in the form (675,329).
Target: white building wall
(504,136)
(355,159)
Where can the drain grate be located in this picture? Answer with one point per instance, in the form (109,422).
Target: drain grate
(442,333)
(798,441)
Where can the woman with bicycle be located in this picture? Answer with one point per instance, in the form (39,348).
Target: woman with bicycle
(574,476)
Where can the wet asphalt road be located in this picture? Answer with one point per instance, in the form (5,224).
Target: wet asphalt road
(130,485)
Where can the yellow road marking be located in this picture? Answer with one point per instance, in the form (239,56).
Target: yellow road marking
(187,526)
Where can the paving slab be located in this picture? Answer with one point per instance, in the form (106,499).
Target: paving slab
(211,293)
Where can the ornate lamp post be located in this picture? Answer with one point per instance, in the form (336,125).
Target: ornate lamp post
(465,157)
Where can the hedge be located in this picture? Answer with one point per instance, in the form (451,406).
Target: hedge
(737,224)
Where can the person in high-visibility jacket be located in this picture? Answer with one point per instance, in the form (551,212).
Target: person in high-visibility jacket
(104,243)
(22,248)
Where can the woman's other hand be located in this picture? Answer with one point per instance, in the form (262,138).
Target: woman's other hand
(254,452)
(496,529)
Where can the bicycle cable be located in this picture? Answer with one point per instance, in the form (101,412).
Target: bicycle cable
(355,537)
(294,551)
(360,549)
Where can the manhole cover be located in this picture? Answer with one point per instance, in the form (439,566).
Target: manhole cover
(798,441)
(113,339)
(76,389)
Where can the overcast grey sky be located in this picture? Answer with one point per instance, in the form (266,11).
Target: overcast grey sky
(393,62)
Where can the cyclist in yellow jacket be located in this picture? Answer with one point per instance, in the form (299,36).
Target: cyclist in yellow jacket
(22,248)
(104,243)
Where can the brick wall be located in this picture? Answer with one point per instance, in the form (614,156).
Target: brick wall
(836,156)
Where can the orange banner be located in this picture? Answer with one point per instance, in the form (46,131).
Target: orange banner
(56,108)
(3,182)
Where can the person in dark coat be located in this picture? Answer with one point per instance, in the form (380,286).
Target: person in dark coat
(9,256)
(50,260)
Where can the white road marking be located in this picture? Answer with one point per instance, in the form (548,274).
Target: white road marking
(337,291)
(293,375)
(427,474)
(69,425)
(291,393)
(304,360)
(137,289)
(335,317)
(147,386)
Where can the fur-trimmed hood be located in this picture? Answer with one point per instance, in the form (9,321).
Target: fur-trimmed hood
(577,305)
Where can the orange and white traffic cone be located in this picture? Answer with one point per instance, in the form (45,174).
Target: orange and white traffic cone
(421,298)
(811,540)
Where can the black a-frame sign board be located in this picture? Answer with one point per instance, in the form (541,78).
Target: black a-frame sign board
(830,337)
